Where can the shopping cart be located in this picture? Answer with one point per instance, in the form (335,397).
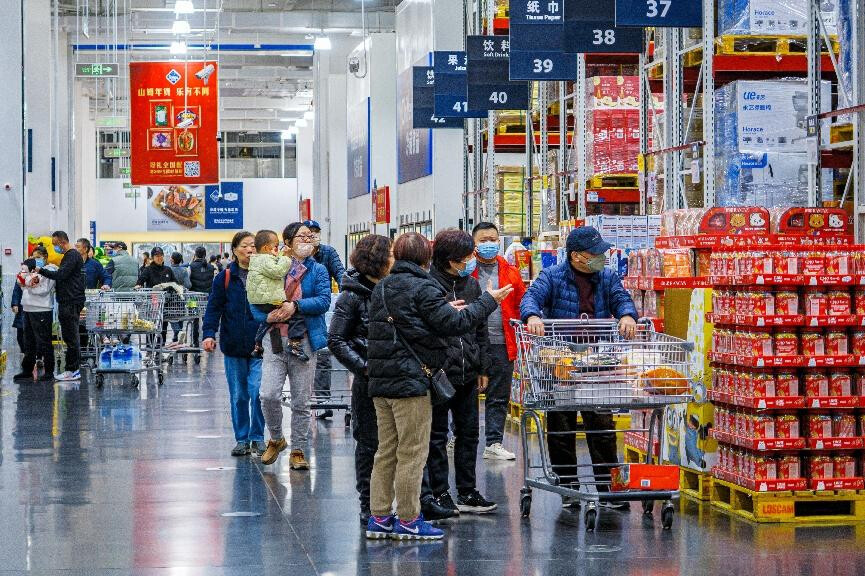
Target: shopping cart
(89,343)
(586,365)
(119,318)
(184,308)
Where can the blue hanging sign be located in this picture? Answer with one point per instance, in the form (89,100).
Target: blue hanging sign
(423,113)
(489,87)
(451,86)
(659,13)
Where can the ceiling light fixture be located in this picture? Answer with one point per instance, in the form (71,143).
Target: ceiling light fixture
(180,27)
(322,43)
(178,48)
(184,7)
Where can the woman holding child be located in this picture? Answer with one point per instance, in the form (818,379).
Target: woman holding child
(285,355)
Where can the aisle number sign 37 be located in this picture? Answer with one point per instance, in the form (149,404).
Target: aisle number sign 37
(659,13)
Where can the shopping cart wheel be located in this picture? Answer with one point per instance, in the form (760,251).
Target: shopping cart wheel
(100,380)
(525,502)
(198,358)
(160,379)
(591,519)
(667,517)
(648,507)
(170,360)
(134,381)
(348,419)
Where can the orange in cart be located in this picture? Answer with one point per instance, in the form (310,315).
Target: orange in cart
(644,477)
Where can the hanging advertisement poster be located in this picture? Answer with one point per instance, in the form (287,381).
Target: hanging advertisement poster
(173,111)
(414,43)
(223,208)
(175,207)
(358,148)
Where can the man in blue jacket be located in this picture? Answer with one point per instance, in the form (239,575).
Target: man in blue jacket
(581,285)
(328,257)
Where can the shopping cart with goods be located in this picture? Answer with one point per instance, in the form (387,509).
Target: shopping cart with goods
(586,365)
(89,343)
(184,308)
(127,328)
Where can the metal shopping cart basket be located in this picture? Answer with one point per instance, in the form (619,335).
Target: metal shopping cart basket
(587,365)
(89,343)
(186,308)
(121,318)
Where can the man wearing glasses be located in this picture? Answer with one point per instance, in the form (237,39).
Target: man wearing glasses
(328,257)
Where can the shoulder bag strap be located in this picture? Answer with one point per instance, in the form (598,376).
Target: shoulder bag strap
(398,334)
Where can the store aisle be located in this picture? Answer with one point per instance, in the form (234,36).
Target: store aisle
(125,481)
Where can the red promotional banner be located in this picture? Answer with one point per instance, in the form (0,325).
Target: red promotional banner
(381,198)
(174,110)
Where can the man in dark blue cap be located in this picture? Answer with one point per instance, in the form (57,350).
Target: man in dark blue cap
(581,285)
(328,257)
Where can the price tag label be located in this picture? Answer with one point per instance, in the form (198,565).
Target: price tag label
(659,13)
(695,171)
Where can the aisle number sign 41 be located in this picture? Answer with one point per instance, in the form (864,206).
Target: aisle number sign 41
(659,13)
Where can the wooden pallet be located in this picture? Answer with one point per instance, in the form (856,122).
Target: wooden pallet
(841,133)
(695,484)
(755,45)
(839,506)
(633,455)
(603,181)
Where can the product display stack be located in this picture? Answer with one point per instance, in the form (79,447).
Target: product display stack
(788,352)
(513,201)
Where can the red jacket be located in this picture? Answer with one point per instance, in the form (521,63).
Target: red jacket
(510,307)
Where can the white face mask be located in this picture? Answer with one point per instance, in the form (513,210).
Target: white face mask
(303,250)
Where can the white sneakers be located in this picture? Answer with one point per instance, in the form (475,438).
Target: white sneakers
(498,452)
(68,376)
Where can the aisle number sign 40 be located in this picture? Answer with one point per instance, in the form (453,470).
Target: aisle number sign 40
(659,13)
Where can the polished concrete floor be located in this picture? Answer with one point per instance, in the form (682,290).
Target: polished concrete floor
(140,481)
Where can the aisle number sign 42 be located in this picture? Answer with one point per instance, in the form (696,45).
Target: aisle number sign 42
(659,13)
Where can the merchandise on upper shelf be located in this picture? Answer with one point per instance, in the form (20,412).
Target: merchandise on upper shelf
(761,153)
(512,201)
(846,54)
(771,17)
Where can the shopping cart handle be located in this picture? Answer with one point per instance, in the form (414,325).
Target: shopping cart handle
(648,322)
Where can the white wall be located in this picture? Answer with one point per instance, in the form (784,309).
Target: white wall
(267,203)
(11,153)
(305,165)
(337,181)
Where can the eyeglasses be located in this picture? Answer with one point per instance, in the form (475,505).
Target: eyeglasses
(307,236)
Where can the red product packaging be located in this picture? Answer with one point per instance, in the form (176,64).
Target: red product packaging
(762,385)
(839,263)
(819,425)
(789,467)
(816,302)
(843,425)
(836,343)
(765,467)
(644,477)
(762,263)
(786,262)
(764,426)
(816,384)
(814,263)
(859,384)
(840,383)
(813,342)
(839,303)
(857,342)
(859,300)
(762,344)
(786,344)
(787,426)
(786,302)
(844,466)
(787,384)
(821,466)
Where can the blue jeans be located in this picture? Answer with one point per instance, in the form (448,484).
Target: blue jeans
(244,381)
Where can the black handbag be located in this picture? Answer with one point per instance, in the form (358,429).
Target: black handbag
(441,389)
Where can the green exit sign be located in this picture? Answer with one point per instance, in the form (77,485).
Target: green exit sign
(116,152)
(97,70)
(125,171)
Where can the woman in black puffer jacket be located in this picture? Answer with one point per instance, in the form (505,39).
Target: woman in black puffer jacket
(346,340)
(414,304)
(468,360)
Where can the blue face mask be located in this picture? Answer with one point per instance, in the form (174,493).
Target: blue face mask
(58,249)
(488,250)
(40,262)
(470,267)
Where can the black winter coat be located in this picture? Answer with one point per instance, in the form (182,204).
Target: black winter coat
(468,354)
(349,325)
(153,275)
(69,278)
(423,316)
(201,276)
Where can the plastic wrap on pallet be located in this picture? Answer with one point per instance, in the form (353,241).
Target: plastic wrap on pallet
(845,38)
(761,156)
(771,17)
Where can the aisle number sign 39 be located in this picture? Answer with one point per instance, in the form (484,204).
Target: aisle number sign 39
(660,13)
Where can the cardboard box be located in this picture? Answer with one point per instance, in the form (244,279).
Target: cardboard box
(644,477)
